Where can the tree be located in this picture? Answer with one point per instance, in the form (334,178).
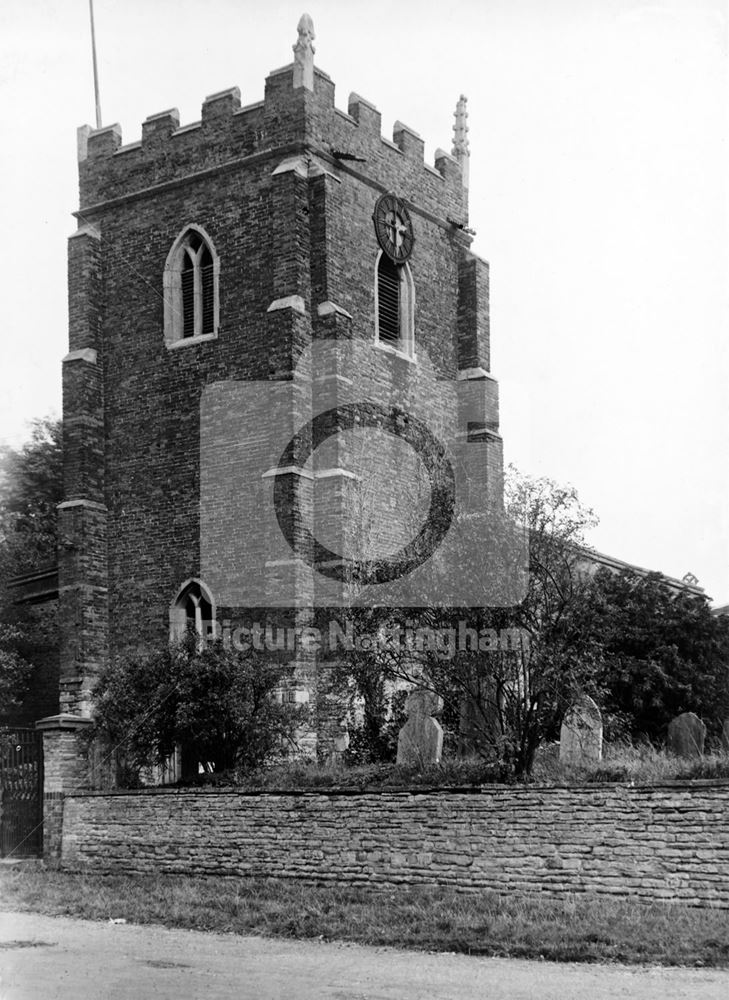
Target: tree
(645,651)
(31,486)
(506,673)
(664,653)
(14,671)
(517,669)
(362,680)
(219,704)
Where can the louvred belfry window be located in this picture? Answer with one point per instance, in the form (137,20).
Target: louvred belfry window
(394,291)
(197,287)
(188,296)
(191,288)
(388,296)
(207,290)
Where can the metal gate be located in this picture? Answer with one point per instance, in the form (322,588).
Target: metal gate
(21,793)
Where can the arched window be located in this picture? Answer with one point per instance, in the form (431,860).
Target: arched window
(192,610)
(191,288)
(394,306)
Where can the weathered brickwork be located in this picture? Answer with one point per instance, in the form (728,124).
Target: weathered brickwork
(65,770)
(285,190)
(668,842)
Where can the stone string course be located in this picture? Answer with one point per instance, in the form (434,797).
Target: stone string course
(668,842)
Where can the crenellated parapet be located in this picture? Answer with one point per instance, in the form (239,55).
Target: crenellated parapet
(291,118)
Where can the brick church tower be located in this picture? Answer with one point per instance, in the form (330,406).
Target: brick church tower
(219,254)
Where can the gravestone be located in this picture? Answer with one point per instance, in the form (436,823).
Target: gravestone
(421,738)
(580,738)
(340,745)
(725,736)
(686,734)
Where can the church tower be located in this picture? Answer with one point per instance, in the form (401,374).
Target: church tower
(218,254)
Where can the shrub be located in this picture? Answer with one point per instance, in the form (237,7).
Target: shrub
(224,707)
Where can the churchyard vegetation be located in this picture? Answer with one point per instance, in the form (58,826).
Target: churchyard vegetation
(508,701)
(643,651)
(501,703)
(15,671)
(661,653)
(639,764)
(31,485)
(226,709)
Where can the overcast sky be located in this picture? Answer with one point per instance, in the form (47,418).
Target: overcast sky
(599,181)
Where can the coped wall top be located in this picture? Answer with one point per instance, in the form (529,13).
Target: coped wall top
(297,113)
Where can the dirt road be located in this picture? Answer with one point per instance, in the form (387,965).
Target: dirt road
(57,958)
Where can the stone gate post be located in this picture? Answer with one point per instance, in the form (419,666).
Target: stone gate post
(65,770)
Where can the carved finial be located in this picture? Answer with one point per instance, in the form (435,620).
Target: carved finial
(304,53)
(460,137)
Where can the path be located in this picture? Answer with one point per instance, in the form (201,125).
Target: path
(58,958)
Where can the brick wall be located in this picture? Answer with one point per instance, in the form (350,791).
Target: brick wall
(669,842)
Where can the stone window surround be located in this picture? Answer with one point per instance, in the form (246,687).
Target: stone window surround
(172,291)
(178,612)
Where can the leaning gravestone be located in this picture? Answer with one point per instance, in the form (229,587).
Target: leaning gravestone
(421,738)
(580,738)
(686,734)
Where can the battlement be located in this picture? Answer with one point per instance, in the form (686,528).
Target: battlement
(292,118)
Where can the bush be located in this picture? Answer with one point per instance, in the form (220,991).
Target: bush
(224,707)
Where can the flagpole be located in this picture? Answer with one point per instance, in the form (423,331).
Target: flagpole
(96,71)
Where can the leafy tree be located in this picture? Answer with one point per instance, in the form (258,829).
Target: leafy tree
(359,682)
(31,485)
(219,704)
(663,653)
(501,698)
(14,671)
(516,669)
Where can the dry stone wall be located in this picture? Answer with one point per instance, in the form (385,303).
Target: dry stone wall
(668,842)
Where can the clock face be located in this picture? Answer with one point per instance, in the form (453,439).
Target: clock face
(394,228)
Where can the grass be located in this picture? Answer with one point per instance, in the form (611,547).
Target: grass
(298,776)
(639,764)
(574,928)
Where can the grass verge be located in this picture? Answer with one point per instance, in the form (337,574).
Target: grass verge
(573,929)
